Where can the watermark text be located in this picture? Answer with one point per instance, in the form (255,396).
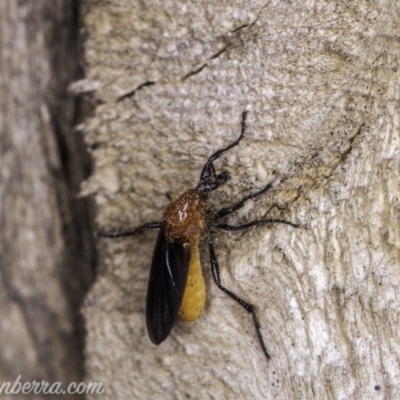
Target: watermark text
(37,387)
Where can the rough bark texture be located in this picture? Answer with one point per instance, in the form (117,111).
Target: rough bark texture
(320,81)
(46,245)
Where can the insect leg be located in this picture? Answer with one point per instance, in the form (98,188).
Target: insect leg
(135,231)
(227,227)
(208,169)
(229,210)
(248,307)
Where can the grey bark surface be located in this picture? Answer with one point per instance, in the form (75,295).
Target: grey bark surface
(46,239)
(320,82)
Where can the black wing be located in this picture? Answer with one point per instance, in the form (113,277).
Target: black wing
(168,275)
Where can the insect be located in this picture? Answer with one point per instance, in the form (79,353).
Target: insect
(176,285)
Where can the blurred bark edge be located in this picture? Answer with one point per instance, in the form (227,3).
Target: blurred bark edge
(47,248)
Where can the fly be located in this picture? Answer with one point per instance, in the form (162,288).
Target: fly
(176,285)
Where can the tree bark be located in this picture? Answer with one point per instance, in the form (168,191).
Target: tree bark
(320,82)
(46,245)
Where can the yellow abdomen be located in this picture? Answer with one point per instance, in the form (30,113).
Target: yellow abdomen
(195,291)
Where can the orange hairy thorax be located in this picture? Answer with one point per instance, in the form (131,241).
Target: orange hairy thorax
(184,217)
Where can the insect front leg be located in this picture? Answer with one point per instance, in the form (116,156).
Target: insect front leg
(135,231)
(248,307)
(209,170)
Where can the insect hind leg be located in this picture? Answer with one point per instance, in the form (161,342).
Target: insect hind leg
(247,306)
(135,231)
